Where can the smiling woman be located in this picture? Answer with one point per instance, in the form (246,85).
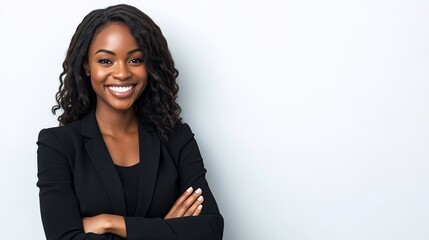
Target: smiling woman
(122,164)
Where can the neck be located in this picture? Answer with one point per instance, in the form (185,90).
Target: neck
(116,123)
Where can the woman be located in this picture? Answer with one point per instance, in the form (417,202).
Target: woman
(122,164)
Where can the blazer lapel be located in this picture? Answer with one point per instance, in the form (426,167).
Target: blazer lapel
(100,157)
(149,143)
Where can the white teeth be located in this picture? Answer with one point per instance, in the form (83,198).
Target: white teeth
(121,89)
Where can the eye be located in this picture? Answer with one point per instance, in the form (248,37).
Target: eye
(136,61)
(104,61)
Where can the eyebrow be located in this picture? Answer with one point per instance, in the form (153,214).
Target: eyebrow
(112,53)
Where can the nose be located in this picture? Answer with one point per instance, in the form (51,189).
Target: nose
(121,71)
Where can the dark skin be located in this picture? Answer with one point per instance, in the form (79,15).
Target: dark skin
(118,77)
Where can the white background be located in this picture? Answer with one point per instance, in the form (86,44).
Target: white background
(312,116)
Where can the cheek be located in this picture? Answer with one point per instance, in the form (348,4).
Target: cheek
(99,74)
(142,75)
(98,78)
(97,87)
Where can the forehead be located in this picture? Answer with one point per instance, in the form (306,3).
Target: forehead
(114,37)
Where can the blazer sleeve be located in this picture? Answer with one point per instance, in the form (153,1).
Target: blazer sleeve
(58,203)
(207,226)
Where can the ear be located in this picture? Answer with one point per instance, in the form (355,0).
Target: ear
(87,72)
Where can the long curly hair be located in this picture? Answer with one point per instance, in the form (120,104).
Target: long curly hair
(156,105)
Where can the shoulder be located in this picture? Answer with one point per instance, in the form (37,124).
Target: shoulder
(179,138)
(181,133)
(61,132)
(65,139)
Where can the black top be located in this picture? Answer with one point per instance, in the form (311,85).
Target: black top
(130,183)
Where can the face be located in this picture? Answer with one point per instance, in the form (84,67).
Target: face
(115,65)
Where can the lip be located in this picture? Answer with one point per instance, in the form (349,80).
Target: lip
(121,94)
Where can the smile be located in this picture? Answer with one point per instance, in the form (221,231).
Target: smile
(121,89)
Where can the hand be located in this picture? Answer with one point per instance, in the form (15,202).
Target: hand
(189,204)
(105,223)
(97,224)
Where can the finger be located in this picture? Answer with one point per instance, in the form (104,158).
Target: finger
(188,203)
(194,206)
(179,202)
(198,211)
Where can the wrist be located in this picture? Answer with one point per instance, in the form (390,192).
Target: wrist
(107,222)
(115,224)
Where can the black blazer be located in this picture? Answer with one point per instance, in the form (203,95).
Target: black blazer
(77,178)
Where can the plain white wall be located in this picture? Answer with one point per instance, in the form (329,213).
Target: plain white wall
(312,115)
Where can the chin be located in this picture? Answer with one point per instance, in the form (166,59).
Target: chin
(122,107)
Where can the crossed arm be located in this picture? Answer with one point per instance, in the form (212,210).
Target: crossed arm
(189,204)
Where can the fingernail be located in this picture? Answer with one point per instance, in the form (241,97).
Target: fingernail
(200,206)
(189,189)
(198,190)
(200,198)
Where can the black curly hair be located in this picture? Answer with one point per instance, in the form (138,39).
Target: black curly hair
(157,104)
